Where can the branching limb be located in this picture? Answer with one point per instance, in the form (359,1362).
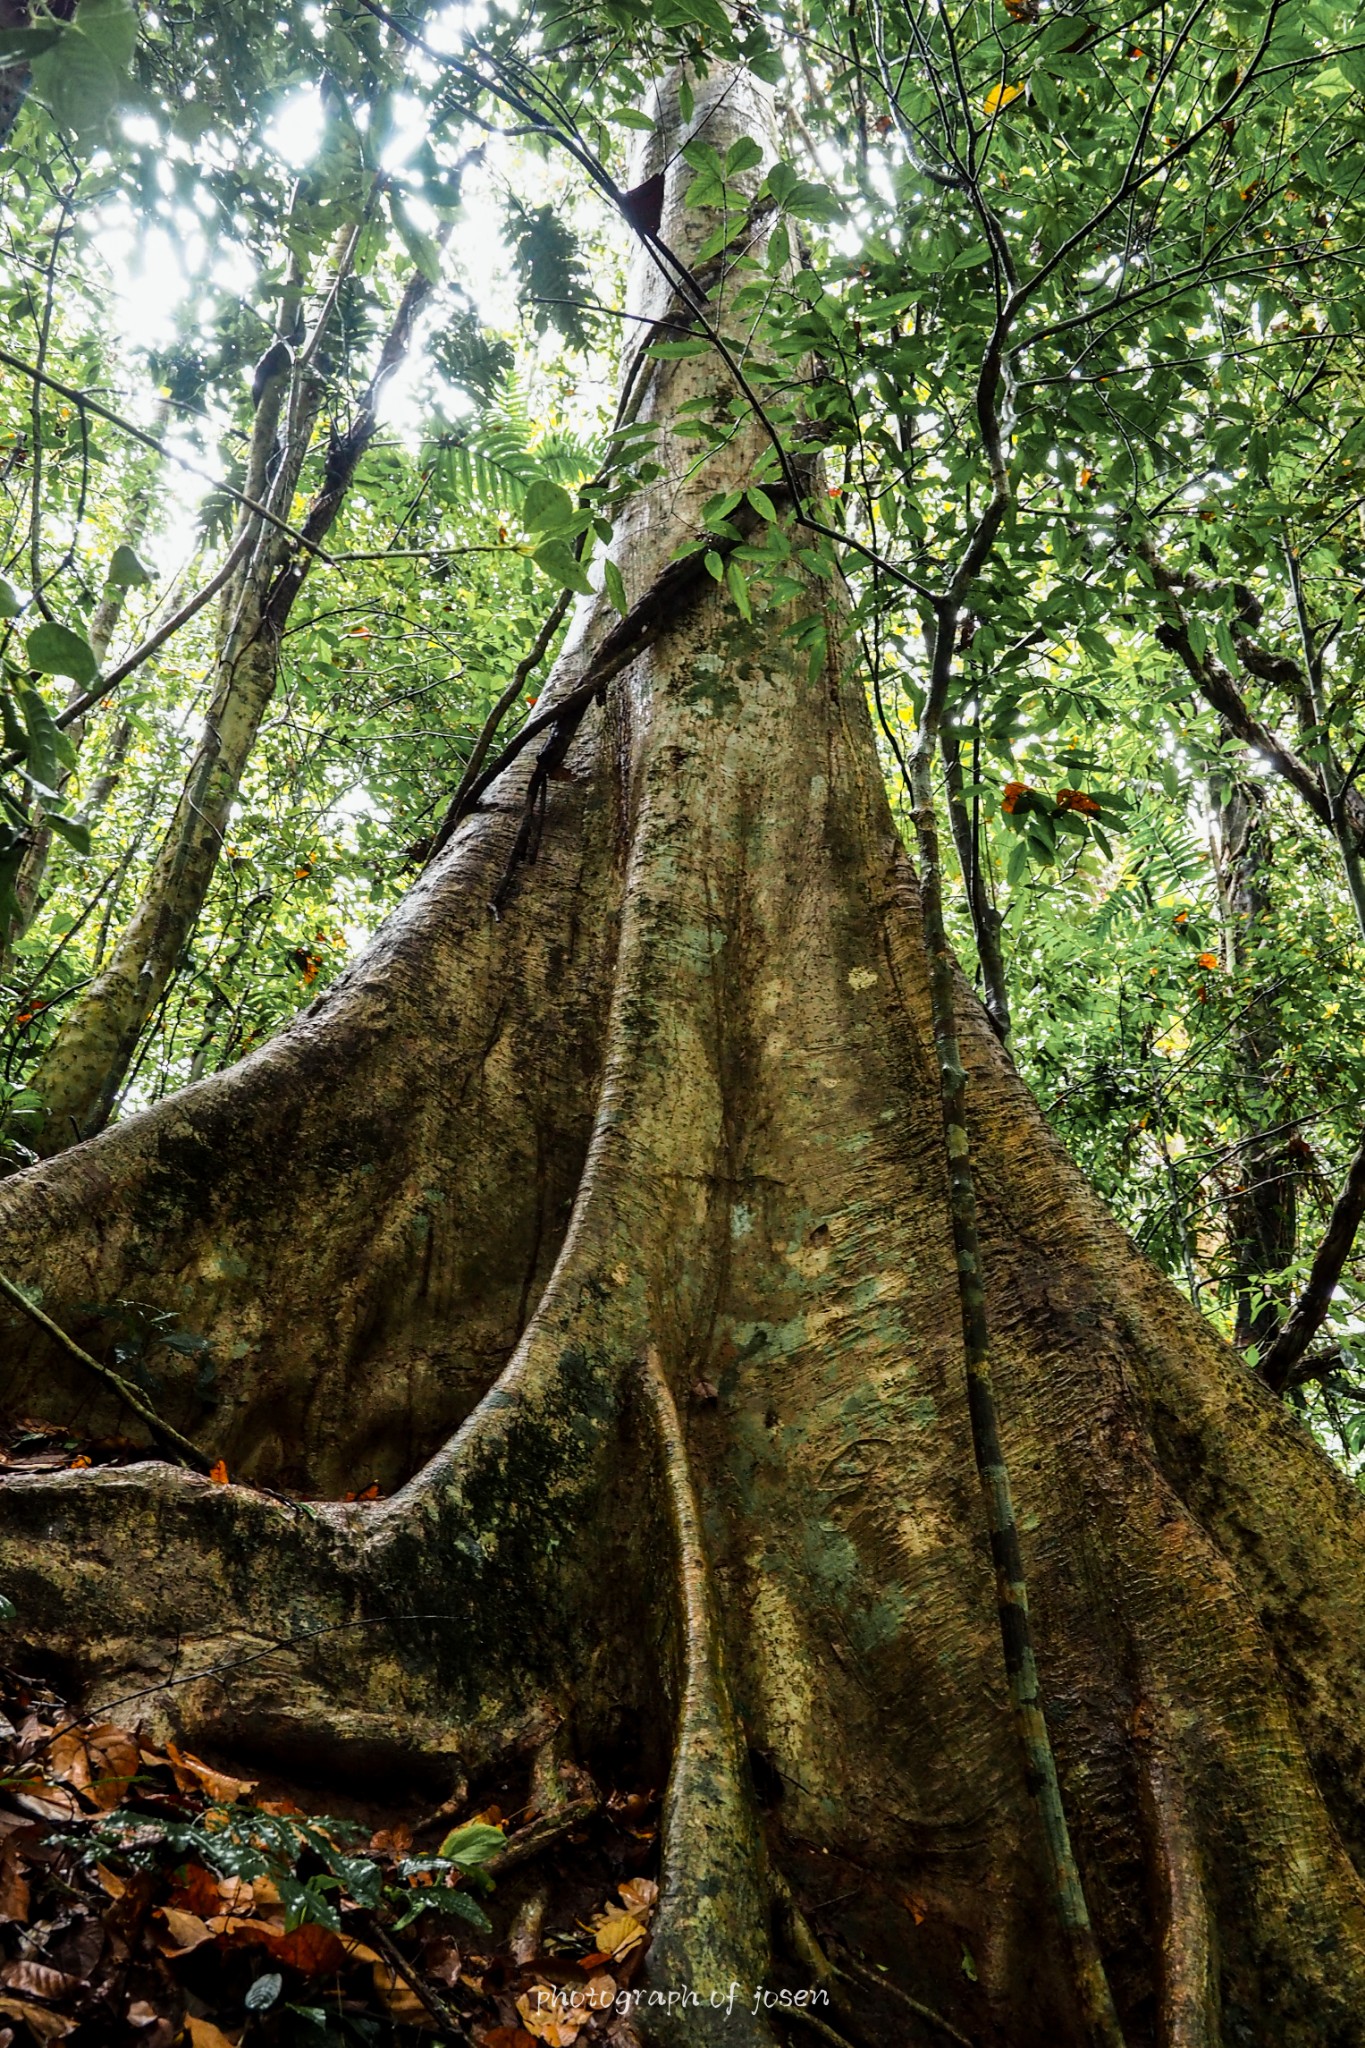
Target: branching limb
(525,668)
(83,402)
(1221,693)
(1301,1325)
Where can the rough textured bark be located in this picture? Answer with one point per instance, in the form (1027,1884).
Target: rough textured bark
(500,1211)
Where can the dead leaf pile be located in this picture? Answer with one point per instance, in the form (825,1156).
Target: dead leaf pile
(148,1897)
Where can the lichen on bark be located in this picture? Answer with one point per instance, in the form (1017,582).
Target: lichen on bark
(615,1235)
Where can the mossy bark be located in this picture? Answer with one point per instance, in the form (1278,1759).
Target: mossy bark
(622,1225)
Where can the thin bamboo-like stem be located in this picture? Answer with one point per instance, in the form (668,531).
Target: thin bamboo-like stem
(1092,1985)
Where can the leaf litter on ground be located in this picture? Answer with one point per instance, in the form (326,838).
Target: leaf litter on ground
(150,1897)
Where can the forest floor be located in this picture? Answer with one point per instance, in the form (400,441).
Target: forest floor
(150,1897)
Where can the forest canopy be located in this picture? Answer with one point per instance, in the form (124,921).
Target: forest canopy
(660,658)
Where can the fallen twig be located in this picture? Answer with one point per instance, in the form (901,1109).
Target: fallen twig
(415,1981)
(855,1972)
(179,1447)
(540,1834)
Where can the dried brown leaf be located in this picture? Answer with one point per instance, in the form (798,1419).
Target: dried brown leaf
(600,1992)
(42,2024)
(193,1775)
(203,2034)
(187,1931)
(617,1932)
(36,1980)
(556,2017)
(639,1895)
(14,1895)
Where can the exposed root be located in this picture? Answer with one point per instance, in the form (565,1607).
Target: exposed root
(711,1931)
(1187,1972)
(803,2017)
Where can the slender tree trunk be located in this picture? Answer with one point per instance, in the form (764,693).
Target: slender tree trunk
(616,1234)
(1262,1189)
(84,1068)
(986,919)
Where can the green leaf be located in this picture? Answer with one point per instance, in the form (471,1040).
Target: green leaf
(126,570)
(780,181)
(560,563)
(43,766)
(79,84)
(21,45)
(472,1844)
(56,651)
(464,1908)
(423,249)
(8,1611)
(739,589)
(548,507)
(111,26)
(761,502)
(73,828)
(742,156)
(10,605)
(16,736)
(614,584)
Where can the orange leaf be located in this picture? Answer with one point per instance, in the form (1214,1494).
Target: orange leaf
(398,1998)
(219,1473)
(43,2025)
(203,2034)
(1209,960)
(193,1775)
(198,1891)
(314,1950)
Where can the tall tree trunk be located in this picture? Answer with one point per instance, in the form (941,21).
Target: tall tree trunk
(82,1071)
(621,1224)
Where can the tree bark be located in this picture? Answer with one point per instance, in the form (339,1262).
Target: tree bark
(618,1232)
